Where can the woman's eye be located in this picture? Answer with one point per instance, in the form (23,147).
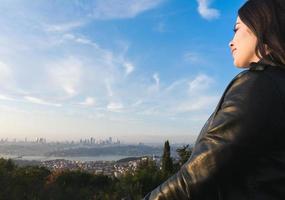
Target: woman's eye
(235,29)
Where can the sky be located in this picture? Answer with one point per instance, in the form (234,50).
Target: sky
(136,70)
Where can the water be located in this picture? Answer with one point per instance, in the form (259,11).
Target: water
(78,158)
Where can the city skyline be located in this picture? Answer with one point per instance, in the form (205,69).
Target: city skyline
(141,71)
(90,140)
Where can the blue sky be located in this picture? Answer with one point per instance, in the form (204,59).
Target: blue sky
(136,70)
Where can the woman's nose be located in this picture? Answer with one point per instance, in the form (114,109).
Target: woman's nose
(231,44)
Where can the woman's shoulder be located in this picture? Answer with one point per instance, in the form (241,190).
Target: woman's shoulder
(248,77)
(251,72)
(260,72)
(259,81)
(248,82)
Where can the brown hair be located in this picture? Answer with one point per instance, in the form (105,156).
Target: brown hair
(266,19)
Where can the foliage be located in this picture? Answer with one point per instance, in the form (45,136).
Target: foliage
(76,185)
(184,154)
(21,182)
(146,177)
(38,183)
(167,163)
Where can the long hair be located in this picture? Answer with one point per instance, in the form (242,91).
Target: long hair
(266,19)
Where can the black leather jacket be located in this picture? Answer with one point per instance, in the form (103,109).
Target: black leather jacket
(240,152)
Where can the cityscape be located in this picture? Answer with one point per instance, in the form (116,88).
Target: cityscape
(40,140)
(108,168)
(37,152)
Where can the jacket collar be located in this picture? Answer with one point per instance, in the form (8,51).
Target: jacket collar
(264,63)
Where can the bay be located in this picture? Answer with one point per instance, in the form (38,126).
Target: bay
(75,158)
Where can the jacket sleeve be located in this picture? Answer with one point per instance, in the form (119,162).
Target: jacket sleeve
(231,140)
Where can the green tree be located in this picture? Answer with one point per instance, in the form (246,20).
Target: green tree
(6,184)
(136,185)
(77,185)
(28,182)
(6,165)
(167,163)
(184,154)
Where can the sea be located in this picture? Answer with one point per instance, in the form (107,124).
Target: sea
(73,158)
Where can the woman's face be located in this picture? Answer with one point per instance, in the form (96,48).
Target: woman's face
(243,45)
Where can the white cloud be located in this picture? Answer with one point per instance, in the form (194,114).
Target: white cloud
(181,97)
(115,106)
(4,97)
(129,67)
(153,111)
(198,104)
(154,88)
(175,84)
(207,12)
(137,103)
(81,40)
(109,88)
(89,101)
(200,83)
(40,101)
(114,9)
(191,57)
(5,73)
(156,78)
(64,27)
(66,74)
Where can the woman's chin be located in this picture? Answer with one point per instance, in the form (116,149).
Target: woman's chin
(240,64)
(237,64)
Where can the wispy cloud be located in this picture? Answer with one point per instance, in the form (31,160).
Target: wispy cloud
(137,103)
(66,74)
(154,87)
(153,111)
(5,97)
(183,97)
(40,101)
(80,40)
(89,101)
(115,106)
(200,83)
(175,84)
(109,88)
(205,10)
(157,80)
(129,67)
(114,9)
(5,74)
(64,27)
(199,103)
(191,57)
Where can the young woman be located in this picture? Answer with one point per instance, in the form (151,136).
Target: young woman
(240,152)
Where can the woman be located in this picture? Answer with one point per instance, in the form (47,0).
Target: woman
(240,152)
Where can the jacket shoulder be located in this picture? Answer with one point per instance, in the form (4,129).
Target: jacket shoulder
(254,72)
(257,67)
(249,79)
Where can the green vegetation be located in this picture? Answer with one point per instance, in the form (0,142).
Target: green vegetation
(167,163)
(184,154)
(38,183)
